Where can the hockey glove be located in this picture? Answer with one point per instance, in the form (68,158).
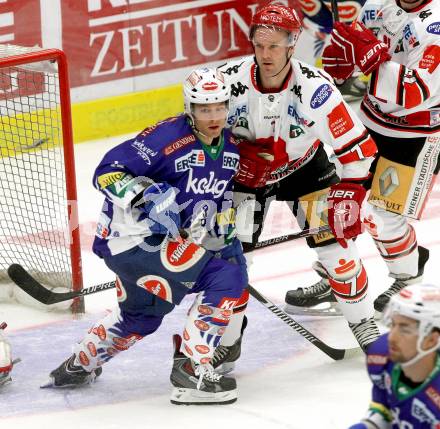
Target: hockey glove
(344,204)
(161,209)
(255,161)
(335,64)
(360,46)
(5,358)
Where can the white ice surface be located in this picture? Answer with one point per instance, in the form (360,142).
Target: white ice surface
(284,381)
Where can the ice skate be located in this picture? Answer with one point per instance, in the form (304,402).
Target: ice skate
(383,299)
(198,384)
(225,357)
(315,300)
(70,375)
(365,332)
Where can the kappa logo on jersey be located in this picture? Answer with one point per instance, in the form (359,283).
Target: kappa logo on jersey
(425,14)
(309,74)
(320,96)
(195,158)
(177,257)
(238,89)
(297,91)
(204,185)
(157,286)
(230,161)
(232,69)
(433,28)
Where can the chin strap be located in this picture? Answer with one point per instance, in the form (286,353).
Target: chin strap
(420,352)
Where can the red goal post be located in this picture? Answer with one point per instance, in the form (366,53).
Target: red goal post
(39,226)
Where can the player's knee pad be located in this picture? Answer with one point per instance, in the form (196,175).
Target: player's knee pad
(234,328)
(353,296)
(117,332)
(341,264)
(382,224)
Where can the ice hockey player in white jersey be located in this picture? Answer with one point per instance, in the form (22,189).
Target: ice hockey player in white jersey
(399,45)
(5,357)
(287,110)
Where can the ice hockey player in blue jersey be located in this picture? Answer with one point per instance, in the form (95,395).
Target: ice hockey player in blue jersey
(404,365)
(171,181)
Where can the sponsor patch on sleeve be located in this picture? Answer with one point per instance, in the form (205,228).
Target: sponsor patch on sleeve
(339,121)
(321,95)
(431,58)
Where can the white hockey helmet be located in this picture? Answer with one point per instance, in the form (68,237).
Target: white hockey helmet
(204,86)
(420,302)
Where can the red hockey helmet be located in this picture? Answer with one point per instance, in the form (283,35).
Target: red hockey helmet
(277,15)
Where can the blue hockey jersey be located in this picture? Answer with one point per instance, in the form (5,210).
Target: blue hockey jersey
(399,404)
(167,152)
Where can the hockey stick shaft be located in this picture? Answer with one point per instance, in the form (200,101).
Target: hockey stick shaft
(288,237)
(335,354)
(32,287)
(335,11)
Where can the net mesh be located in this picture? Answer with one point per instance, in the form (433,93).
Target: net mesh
(34,227)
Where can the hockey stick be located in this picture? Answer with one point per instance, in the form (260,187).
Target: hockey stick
(26,282)
(335,11)
(335,354)
(288,237)
(37,291)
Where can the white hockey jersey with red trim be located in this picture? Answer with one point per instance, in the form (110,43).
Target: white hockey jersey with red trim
(403,98)
(293,121)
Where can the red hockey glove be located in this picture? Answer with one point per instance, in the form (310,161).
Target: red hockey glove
(255,161)
(344,205)
(335,64)
(360,46)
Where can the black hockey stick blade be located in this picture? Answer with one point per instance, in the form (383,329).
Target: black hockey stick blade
(335,354)
(39,292)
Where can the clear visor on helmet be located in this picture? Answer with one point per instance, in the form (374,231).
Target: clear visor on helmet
(406,327)
(273,36)
(210,112)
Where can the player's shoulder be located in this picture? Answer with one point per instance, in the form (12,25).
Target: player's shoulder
(168,136)
(314,87)
(235,70)
(377,354)
(424,22)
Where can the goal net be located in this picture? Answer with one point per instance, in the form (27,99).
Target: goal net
(38,206)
